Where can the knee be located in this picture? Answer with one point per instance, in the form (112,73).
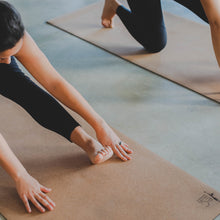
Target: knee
(156,43)
(156,46)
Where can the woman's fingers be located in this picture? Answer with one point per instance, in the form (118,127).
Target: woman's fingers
(47,198)
(125,147)
(38,199)
(118,153)
(122,151)
(44,189)
(43,201)
(30,189)
(36,203)
(26,203)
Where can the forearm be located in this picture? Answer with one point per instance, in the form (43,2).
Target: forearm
(41,69)
(71,98)
(215,31)
(9,161)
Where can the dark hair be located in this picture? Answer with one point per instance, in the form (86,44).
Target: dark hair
(11,26)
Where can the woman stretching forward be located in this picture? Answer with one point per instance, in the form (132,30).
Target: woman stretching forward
(15,42)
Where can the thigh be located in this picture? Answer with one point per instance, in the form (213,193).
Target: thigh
(149,10)
(10,78)
(18,87)
(15,85)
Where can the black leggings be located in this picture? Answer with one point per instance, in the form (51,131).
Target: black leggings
(146,24)
(18,87)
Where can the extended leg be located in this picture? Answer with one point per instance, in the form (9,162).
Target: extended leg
(37,102)
(47,111)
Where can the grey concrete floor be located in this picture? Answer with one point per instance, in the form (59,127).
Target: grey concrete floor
(175,123)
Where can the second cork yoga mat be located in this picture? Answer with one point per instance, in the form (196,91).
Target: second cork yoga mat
(146,187)
(188,58)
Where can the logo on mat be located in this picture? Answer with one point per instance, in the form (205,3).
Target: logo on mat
(207,198)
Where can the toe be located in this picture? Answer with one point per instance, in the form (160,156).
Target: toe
(106,23)
(110,24)
(103,155)
(103,152)
(109,150)
(99,157)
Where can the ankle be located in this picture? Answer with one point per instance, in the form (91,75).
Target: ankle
(79,136)
(115,5)
(89,145)
(82,139)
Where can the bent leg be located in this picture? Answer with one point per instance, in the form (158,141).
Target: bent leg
(18,87)
(145,23)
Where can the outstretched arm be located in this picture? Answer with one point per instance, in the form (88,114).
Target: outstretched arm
(27,187)
(212,10)
(40,68)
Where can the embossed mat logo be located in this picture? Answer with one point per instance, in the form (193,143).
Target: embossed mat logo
(207,199)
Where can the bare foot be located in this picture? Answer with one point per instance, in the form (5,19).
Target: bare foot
(97,153)
(109,12)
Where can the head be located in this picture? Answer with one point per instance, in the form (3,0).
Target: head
(11,32)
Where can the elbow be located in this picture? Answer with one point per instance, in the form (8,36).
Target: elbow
(215,24)
(54,86)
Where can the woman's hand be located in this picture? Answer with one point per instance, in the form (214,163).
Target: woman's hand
(107,137)
(29,188)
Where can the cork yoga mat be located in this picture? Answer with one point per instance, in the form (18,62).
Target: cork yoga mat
(146,187)
(188,59)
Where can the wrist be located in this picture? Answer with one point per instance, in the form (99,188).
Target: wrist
(20,174)
(99,123)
